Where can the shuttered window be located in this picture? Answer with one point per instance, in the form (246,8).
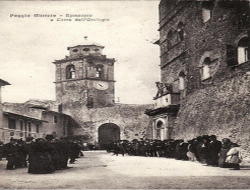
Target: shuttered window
(12,123)
(242,50)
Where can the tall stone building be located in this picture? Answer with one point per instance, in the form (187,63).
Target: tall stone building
(85,90)
(85,78)
(204,49)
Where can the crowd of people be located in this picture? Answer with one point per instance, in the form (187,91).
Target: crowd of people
(205,149)
(50,154)
(41,155)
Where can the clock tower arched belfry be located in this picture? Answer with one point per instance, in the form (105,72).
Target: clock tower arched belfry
(85,78)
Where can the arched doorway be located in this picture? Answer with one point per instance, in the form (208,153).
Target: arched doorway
(108,132)
(158,129)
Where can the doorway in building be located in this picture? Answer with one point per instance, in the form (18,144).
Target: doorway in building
(108,132)
(158,130)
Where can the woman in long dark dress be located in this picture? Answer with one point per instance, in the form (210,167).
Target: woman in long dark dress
(40,161)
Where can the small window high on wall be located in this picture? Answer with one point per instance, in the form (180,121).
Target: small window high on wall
(206,68)
(70,72)
(99,71)
(206,10)
(242,50)
(181,81)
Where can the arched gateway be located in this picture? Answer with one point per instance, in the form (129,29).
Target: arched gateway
(108,132)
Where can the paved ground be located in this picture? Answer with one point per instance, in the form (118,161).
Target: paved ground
(99,170)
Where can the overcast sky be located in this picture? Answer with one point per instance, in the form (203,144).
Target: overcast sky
(29,45)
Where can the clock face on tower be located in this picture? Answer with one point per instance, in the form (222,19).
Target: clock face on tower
(70,86)
(101,85)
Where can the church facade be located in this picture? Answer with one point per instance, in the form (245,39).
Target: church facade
(85,90)
(205,59)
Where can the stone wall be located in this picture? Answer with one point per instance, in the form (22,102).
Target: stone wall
(131,119)
(223,110)
(220,104)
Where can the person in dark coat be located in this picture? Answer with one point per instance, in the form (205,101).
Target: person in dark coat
(205,159)
(40,161)
(73,151)
(183,151)
(214,150)
(171,149)
(22,152)
(116,149)
(10,150)
(62,148)
(198,147)
(152,148)
(51,141)
(179,149)
(81,148)
(108,146)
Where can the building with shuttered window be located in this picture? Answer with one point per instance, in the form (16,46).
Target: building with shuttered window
(205,70)
(34,118)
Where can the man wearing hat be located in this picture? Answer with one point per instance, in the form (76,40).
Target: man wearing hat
(10,150)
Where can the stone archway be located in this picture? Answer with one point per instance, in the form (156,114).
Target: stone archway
(159,129)
(108,132)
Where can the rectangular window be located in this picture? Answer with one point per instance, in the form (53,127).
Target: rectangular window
(37,128)
(12,123)
(29,126)
(21,125)
(55,119)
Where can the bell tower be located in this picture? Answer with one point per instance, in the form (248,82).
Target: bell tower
(85,78)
